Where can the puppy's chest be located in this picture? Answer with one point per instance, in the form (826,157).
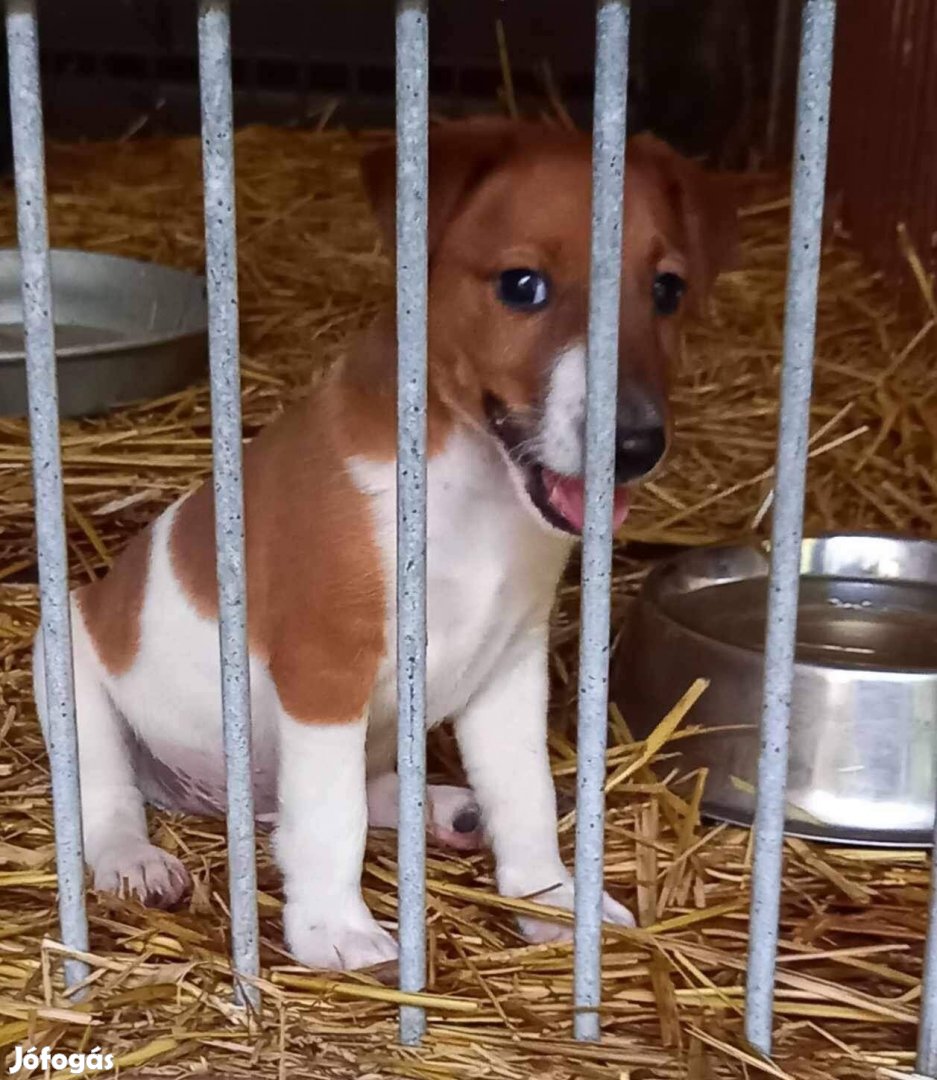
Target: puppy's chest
(491,575)
(476,603)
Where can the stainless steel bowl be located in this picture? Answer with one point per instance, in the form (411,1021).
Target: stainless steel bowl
(125,331)
(863,746)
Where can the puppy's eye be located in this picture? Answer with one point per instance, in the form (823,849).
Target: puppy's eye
(523,289)
(668,291)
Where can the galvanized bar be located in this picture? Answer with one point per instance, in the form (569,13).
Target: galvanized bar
(214,45)
(608,168)
(412,177)
(927,1031)
(810,147)
(38,323)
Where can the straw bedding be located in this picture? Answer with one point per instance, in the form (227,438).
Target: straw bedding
(853,921)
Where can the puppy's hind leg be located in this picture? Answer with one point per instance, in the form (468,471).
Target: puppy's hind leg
(453,817)
(117,847)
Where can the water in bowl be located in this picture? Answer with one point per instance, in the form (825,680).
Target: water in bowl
(865,624)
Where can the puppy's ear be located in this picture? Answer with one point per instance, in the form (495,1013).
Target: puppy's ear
(461,154)
(706,204)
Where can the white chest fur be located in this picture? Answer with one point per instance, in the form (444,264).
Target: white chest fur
(492,570)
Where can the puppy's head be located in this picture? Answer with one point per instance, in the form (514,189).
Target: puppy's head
(508,238)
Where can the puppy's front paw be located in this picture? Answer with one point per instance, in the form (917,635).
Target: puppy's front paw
(539,931)
(137,869)
(337,941)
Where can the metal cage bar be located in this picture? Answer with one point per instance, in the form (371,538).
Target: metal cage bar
(39,327)
(214,42)
(412,178)
(608,171)
(810,146)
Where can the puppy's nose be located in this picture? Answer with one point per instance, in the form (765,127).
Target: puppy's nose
(641,431)
(638,451)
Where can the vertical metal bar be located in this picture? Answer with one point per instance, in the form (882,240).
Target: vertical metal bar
(782,24)
(39,327)
(412,177)
(927,1031)
(810,146)
(608,169)
(214,43)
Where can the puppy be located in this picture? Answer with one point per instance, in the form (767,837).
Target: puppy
(509,208)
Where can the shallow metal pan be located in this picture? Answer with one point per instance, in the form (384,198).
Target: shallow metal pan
(126,331)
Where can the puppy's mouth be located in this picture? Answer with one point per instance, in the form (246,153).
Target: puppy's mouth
(560,500)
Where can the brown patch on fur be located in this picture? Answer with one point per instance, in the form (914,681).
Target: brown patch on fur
(705,204)
(460,155)
(315,587)
(368,398)
(111,607)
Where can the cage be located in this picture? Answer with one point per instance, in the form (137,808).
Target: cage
(311,86)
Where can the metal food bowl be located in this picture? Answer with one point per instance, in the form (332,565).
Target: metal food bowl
(125,331)
(863,741)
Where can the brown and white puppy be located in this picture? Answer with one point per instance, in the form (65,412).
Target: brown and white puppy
(508,300)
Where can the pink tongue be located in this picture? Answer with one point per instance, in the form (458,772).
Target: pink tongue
(566,495)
